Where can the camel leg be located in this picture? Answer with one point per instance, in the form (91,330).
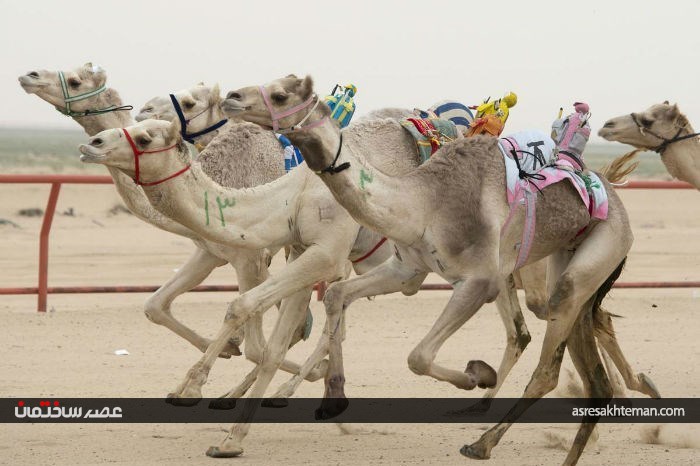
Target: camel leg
(292,313)
(533,278)
(591,265)
(517,336)
(467,298)
(584,354)
(608,342)
(251,269)
(616,381)
(193,272)
(318,262)
(391,276)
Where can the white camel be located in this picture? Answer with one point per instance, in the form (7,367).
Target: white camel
(82,94)
(664,129)
(448,219)
(195,106)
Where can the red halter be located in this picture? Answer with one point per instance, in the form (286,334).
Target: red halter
(138,152)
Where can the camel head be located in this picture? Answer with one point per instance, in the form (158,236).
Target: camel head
(82,80)
(282,103)
(651,129)
(153,140)
(194,102)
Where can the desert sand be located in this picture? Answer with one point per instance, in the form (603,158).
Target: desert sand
(69,351)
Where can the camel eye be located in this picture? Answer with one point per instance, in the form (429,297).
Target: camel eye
(74,83)
(189,105)
(143,141)
(646,122)
(279,97)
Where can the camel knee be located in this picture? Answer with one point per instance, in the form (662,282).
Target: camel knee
(419,362)
(334,299)
(536,303)
(489,287)
(562,297)
(155,311)
(240,309)
(520,339)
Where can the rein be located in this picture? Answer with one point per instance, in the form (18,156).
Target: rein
(665,142)
(138,153)
(189,137)
(332,169)
(68,99)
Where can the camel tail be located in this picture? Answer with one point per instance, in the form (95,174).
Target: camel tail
(602,320)
(619,168)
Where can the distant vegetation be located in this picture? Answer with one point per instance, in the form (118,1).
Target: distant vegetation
(56,150)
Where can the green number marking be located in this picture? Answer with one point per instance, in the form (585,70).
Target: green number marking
(365,177)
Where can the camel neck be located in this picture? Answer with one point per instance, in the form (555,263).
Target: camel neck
(682,159)
(130,193)
(252,218)
(364,191)
(93,124)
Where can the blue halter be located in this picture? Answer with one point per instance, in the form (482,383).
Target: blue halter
(189,137)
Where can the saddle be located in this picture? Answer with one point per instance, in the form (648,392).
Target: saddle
(534,160)
(430,134)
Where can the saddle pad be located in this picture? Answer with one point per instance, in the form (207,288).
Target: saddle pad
(430,134)
(535,151)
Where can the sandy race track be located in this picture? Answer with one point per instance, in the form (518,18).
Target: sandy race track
(69,352)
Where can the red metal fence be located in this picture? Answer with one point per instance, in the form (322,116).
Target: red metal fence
(42,290)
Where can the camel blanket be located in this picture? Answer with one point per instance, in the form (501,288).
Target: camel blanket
(534,150)
(534,153)
(430,134)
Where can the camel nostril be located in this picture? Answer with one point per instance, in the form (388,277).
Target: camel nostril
(96,142)
(33,74)
(234,95)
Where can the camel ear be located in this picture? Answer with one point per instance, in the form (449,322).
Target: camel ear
(215,96)
(173,130)
(200,83)
(291,76)
(665,102)
(672,113)
(306,87)
(88,65)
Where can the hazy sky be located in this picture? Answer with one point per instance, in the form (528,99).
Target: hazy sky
(619,56)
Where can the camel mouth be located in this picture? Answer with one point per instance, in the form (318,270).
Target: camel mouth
(30,85)
(606,133)
(230,107)
(88,154)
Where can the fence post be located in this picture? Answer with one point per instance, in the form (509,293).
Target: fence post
(44,246)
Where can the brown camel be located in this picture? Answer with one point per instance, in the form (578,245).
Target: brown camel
(663,129)
(446,217)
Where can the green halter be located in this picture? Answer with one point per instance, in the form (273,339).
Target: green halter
(67,98)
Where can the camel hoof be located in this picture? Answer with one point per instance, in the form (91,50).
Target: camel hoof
(482,372)
(648,386)
(231,349)
(475,453)
(479,408)
(175,400)
(215,452)
(330,408)
(274,403)
(222,403)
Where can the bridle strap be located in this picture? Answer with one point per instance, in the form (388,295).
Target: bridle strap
(332,169)
(277,116)
(189,137)
(67,98)
(137,153)
(666,142)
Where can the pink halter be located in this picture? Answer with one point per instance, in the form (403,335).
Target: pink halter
(277,116)
(138,153)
